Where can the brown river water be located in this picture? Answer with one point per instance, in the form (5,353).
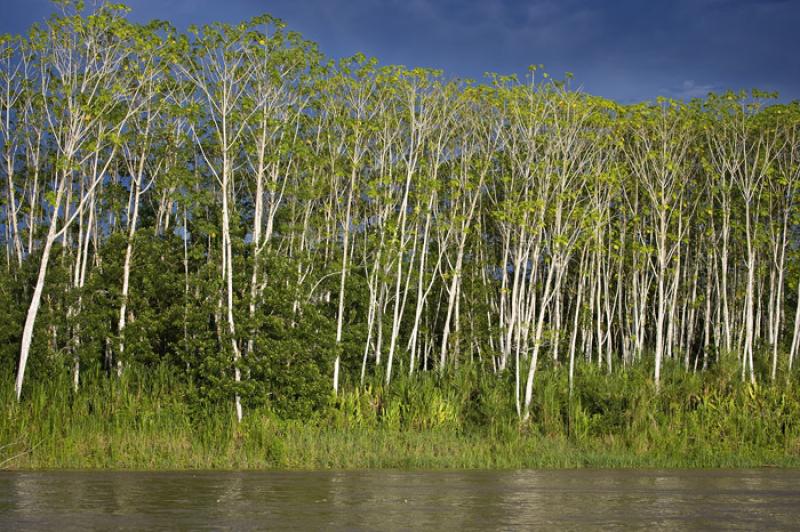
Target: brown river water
(400,500)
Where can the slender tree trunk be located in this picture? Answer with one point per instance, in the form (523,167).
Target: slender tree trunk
(36,299)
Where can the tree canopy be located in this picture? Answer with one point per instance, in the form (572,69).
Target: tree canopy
(278,225)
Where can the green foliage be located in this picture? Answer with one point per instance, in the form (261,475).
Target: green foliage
(220,217)
(147,419)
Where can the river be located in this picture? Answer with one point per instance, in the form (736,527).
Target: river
(430,500)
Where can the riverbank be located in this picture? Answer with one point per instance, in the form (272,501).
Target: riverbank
(311,448)
(153,424)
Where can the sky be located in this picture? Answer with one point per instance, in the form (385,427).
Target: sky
(628,50)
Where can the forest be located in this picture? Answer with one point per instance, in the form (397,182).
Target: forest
(223,248)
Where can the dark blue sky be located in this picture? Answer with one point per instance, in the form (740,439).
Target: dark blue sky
(626,49)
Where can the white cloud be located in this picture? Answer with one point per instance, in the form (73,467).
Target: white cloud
(689,89)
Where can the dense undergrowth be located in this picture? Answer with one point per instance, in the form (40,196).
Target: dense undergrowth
(466,419)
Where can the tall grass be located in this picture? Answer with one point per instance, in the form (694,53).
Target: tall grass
(465,419)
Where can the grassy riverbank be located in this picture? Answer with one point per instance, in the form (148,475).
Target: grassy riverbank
(460,421)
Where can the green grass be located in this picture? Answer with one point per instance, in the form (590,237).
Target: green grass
(147,420)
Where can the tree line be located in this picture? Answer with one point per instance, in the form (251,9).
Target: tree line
(277,225)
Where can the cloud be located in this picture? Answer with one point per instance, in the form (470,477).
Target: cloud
(689,89)
(625,49)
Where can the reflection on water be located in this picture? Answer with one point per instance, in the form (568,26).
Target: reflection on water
(727,499)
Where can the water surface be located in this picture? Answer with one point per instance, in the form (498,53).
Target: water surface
(432,500)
